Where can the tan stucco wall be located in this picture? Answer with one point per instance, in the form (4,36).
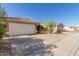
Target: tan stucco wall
(68,28)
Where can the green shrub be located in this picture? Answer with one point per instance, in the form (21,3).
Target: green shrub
(3,22)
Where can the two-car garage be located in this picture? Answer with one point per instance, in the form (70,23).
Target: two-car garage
(21,26)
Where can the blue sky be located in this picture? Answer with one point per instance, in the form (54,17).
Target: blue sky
(66,13)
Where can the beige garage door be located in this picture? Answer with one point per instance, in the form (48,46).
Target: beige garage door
(19,29)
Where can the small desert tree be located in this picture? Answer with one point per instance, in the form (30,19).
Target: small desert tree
(39,28)
(3,22)
(50,25)
(60,27)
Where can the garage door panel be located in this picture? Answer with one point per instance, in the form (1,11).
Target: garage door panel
(19,28)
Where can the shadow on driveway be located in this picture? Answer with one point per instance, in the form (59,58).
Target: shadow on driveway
(29,47)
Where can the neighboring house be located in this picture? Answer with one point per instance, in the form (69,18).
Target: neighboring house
(71,28)
(45,29)
(68,28)
(20,26)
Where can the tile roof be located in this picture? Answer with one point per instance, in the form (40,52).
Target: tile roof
(21,20)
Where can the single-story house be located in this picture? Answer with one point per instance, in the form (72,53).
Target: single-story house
(20,26)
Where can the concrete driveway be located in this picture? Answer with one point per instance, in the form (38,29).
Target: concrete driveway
(69,46)
(67,43)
